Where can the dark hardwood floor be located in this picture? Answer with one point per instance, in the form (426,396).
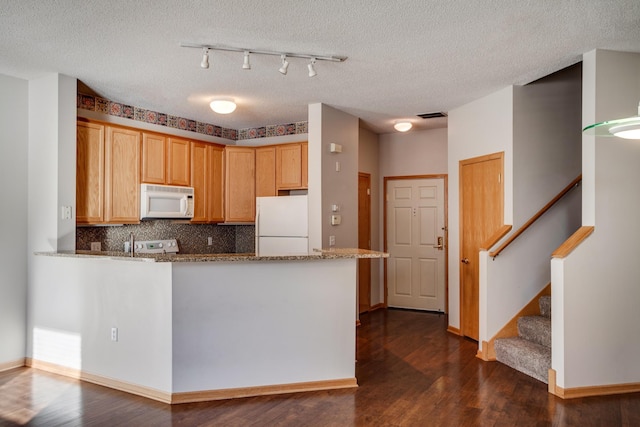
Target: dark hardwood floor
(411,372)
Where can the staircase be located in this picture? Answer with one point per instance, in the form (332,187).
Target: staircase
(530,351)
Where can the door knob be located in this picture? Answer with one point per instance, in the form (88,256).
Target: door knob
(439,246)
(465,260)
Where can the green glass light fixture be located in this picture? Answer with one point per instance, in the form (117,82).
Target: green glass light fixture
(628,128)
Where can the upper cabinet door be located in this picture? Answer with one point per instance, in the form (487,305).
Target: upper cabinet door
(154,155)
(305,165)
(179,162)
(266,171)
(215,183)
(90,173)
(122,176)
(240,185)
(199,181)
(289,166)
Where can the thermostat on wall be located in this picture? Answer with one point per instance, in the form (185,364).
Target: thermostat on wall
(335,148)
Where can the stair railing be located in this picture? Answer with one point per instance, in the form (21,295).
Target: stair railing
(534,218)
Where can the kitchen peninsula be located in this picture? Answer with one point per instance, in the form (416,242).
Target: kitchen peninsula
(187,328)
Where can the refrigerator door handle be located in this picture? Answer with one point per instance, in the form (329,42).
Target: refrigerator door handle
(257,231)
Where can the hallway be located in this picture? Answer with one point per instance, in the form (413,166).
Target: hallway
(410,372)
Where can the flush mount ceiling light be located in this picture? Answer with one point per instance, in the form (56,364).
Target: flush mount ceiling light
(246,65)
(402,126)
(283,55)
(223,106)
(285,65)
(205,58)
(628,128)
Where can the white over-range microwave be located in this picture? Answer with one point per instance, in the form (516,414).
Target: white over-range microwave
(166,201)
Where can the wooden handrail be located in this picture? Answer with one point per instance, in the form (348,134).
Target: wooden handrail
(534,218)
(495,238)
(572,242)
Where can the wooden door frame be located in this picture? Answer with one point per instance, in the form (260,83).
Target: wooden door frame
(445,178)
(368,177)
(461,163)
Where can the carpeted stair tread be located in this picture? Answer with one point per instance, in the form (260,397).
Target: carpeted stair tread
(536,329)
(525,356)
(545,305)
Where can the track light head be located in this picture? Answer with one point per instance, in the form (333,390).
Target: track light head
(205,58)
(246,65)
(312,70)
(285,65)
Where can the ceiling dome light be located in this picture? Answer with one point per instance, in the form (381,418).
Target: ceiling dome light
(626,131)
(285,64)
(402,126)
(312,71)
(205,58)
(628,128)
(223,106)
(246,65)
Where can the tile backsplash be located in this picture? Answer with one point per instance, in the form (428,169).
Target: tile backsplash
(192,238)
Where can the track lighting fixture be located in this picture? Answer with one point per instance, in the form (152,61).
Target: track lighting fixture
(312,71)
(246,65)
(285,65)
(284,56)
(205,58)
(628,128)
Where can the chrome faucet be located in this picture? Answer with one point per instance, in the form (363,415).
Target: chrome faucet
(131,244)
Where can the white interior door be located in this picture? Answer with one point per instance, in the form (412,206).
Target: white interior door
(415,242)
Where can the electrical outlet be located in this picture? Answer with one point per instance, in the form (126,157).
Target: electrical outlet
(114,334)
(332,240)
(65,212)
(96,246)
(209,241)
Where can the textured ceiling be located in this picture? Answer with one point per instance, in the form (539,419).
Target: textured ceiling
(405,57)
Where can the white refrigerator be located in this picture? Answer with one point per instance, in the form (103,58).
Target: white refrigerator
(282,225)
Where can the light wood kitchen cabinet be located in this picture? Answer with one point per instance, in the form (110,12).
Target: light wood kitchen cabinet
(107,174)
(90,173)
(165,160)
(266,171)
(122,176)
(305,165)
(207,181)
(154,154)
(240,196)
(178,162)
(215,192)
(290,166)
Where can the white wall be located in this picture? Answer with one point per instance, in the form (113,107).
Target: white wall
(403,154)
(244,324)
(13,221)
(595,290)
(75,302)
(369,162)
(546,158)
(481,127)
(51,175)
(52,162)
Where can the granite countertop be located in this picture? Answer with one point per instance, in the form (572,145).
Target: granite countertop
(333,253)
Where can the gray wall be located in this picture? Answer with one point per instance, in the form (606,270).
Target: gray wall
(368,162)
